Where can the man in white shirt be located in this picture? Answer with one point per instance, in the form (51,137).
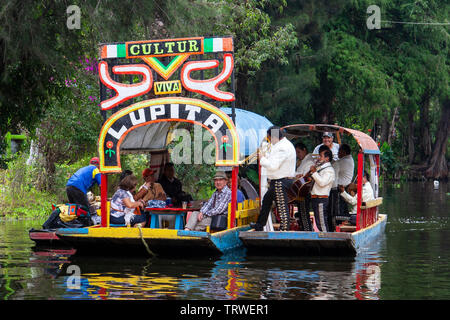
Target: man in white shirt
(327,140)
(367,194)
(304,159)
(323,180)
(343,169)
(304,163)
(279,164)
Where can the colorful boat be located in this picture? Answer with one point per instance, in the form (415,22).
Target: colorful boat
(345,239)
(139,120)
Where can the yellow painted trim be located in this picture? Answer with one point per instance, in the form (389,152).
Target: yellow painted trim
(166,100)
(125,232)
(246,212)
(167,82)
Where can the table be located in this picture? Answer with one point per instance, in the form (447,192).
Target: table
(177,212)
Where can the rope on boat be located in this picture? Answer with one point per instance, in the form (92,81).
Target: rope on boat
(143,241)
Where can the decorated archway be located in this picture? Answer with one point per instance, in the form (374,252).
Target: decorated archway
(182,109)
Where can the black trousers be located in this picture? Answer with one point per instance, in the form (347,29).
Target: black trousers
(337,207)
(77,196)
(304,221)
(333,208)
(320,208)
(277,192)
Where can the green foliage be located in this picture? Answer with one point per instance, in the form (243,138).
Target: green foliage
(18,196)
(196,177)
(389,164)
(297,61)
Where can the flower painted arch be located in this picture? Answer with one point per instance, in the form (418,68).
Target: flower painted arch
(178,109)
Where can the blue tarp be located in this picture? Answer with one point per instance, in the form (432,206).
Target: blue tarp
(251,128)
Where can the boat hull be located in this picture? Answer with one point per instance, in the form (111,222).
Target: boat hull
(161,242)
(310,243)
(43,237)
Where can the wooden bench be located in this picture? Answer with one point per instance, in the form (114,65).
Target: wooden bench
(372,203)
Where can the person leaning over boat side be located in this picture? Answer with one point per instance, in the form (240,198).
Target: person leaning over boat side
(327,139)
(123,205)
(217,204)
(81,181)
(367,194)
(280,166)
(343,169)
(323,180)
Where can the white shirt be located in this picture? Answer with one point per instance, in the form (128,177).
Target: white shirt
(323,180)
(305,165)
(334,149)
(343,169)
(280,161)
(367,194)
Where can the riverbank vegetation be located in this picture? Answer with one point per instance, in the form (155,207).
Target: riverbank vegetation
(297,61)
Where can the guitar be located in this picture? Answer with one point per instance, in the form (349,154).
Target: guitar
(302,186)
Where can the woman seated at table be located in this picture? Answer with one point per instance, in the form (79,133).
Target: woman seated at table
(150,190)
(123,205)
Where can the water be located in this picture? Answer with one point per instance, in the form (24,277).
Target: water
(411,260)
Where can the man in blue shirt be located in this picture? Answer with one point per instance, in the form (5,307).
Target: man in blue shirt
(81,181)
(240,194)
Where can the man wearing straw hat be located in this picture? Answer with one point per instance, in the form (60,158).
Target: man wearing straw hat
(217,204)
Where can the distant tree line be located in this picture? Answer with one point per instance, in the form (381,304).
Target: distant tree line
(297,61)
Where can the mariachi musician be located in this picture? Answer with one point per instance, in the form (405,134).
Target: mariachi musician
(343,169)
(323,175)
(280,167)
(302,197)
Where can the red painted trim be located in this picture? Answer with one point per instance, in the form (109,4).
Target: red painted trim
(116,70)
(359,189)
(43,236)
(234,176)
(175,210)
(104,199)
(221,74)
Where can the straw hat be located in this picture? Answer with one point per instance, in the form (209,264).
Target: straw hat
(220,175)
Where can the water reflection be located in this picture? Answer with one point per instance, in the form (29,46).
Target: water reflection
(410,261)
(233,276)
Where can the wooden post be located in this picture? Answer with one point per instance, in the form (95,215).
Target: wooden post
(377,159)
(359,189)
(104,199)
(259,179)
(234,186)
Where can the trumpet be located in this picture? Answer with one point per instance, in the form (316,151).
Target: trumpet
(263,149)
